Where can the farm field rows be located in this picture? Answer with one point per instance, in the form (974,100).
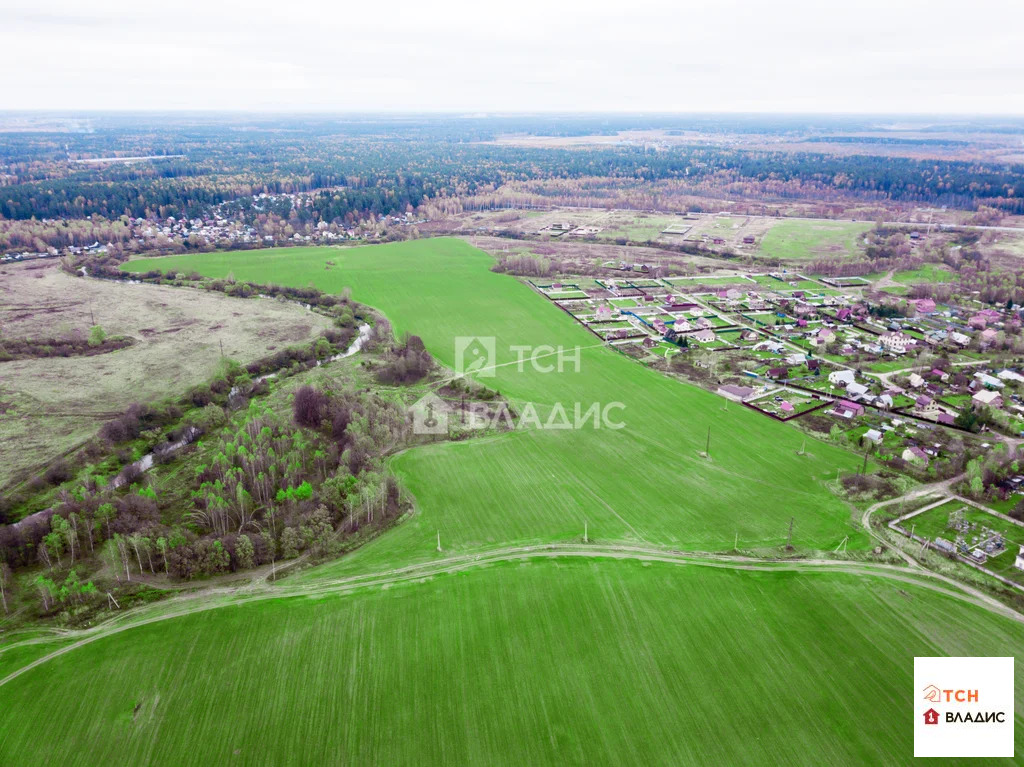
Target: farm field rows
(539,662)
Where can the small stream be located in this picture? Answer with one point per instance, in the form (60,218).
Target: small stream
(145,463)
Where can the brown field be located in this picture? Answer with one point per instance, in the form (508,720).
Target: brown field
(586,257)
(49,406)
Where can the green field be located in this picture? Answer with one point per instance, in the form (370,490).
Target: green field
(813,239)
(538,485)
(541,662)
(606,657)
(927,273)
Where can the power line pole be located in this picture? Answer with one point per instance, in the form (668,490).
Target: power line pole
(707,448)
(789,539)
(586,537)
(438,540)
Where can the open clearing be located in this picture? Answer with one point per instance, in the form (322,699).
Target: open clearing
(544,662)
(55,403)
(813,239)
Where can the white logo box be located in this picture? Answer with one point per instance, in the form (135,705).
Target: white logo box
(948,686)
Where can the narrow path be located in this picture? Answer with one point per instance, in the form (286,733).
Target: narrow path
(916,575)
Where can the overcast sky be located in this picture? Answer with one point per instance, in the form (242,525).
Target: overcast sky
(478,55)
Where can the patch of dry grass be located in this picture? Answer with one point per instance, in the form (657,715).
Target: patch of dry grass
(51,405)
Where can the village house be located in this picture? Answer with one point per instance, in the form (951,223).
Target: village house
(856,391)
(989,398)
(874,436)
(915,455)
(896,343)
(989,382)
(735,393)
(846,409)
(822,337)
(841,377)
(778,373)
(916,381)
(942,375)
(704,336)
(959,338)
(926,407)
(924,306)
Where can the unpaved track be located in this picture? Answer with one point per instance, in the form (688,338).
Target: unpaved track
(217,598)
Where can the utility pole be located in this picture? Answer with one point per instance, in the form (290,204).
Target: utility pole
(586,537)
(221,347)
(789,539)
(707,448)
(438,540)
(803,447)
(736,543)
(864,468)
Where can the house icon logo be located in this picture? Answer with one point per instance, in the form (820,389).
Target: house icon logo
(931,716)
(932,694)
(429,415)
(475,355)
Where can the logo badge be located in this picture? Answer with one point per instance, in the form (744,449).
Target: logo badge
(973,700)
(429,415)
(475,356)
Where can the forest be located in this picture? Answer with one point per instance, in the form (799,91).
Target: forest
(378,168)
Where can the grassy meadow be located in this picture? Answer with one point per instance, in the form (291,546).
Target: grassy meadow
(644,482)
(813,239)
(53,404)
(543,662)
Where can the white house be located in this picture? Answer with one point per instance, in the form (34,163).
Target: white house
(895,342)
(990,398)
(856,390)
(873,435)
(990,381)
(959,338)
(1019,563)
(842,377)
(916,381)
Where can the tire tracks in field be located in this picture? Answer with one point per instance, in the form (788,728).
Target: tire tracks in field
(419,572)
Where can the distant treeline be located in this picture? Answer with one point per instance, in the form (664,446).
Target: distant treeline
(375,175)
